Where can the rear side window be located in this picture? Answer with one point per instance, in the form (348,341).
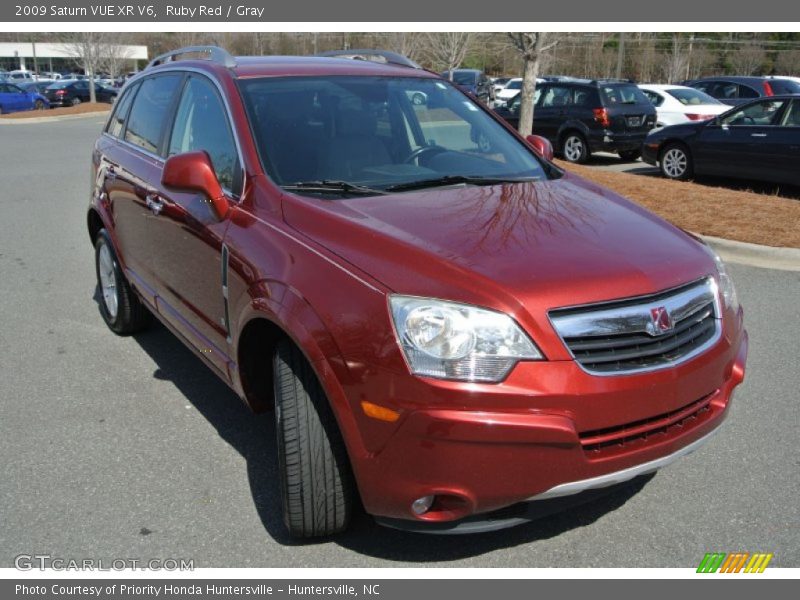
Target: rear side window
(117,121)
(622,94)
(201,123)
(148,116)
(656,99)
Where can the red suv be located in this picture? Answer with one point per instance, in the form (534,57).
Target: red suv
(445,323)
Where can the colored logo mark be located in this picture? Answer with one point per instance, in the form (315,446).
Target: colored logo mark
(736,562)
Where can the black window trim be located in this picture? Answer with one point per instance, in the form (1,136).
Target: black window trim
(184,71)
(164,150)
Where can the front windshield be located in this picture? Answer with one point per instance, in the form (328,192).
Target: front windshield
(691,96)
(515,85)
(378,132)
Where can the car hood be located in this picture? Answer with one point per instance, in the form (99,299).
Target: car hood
(522,246)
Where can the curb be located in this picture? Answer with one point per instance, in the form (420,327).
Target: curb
(755,255)
(53,119)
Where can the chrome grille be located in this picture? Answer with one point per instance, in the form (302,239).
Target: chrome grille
(625,336)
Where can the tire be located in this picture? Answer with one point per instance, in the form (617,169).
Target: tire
(630,155)
(315,475)
(38,105)
(574,148)
(676,162)
(120,307)
(75,101)
(418,99)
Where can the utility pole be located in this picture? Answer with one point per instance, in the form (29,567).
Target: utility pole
(620,55)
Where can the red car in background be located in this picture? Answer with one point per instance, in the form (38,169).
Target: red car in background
(445,323)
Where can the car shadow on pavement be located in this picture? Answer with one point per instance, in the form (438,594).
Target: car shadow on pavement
(253,436)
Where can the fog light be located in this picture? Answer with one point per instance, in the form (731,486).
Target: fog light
(422,505)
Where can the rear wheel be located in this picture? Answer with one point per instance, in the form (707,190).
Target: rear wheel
(122,310)
(75,101)
(316,481)
(630,155)
(574,148)
(38,105)
(676,162)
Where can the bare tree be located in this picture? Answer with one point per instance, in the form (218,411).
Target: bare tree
(533,47)
(447,50)
(113,58)
(788,62)
(406,43)
(748,59)
(87,49)
(677,61)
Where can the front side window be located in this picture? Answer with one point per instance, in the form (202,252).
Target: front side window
(367,131)
(150,110)
(201,123)
(760,114)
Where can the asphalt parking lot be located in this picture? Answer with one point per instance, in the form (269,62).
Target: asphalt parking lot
(130,448)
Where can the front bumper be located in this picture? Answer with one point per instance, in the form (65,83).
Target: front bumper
(477,462)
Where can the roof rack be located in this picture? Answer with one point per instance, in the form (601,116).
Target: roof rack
(215,54)
(392,58)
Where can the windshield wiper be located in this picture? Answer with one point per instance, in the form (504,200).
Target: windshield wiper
(455,179)
(334,186)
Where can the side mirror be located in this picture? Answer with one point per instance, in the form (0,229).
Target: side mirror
(193,171)
(541,146)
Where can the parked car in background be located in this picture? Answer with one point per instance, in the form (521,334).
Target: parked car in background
(581,116)
(472,81)
(679,104)
(71,92)
(498,83)
(759,140)
(511,89)
(14,99)
(443,329)
(738,90)
(38,86)
(19,76)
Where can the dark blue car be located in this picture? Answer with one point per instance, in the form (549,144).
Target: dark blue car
(738,90)
(473,82)
(14,99)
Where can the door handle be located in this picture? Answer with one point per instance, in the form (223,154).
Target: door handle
(758,135)
(154,203)
(111,172)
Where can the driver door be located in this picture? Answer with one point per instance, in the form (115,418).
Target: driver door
(738,144)
(186,233)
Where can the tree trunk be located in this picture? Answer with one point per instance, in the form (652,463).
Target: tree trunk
(531,71)
(92,93)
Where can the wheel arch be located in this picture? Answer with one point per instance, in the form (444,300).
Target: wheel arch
(264,322)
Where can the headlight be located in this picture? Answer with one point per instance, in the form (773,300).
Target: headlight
(726,287)
(457,341)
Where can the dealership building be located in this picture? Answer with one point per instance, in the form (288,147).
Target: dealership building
(62,57)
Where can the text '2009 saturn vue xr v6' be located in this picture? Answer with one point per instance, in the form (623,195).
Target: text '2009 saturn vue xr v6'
(449,328)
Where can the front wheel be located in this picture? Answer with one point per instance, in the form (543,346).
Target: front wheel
(38,105)
(574,148)
(122,310)
(676,162)
(316,480)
